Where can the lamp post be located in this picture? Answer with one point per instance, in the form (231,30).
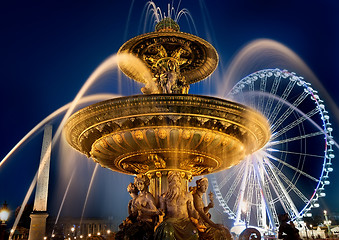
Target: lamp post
(73,229)
(4,215)
(327,223)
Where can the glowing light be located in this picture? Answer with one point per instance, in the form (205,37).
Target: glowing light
(243,206)
(4,213)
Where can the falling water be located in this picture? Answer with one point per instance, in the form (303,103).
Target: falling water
(37,128)
(23,205)
(88,192)
(63,200)
(55,114)
(266,53)
(106,67)
(153,14)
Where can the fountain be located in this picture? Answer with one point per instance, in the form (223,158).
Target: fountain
(167,135)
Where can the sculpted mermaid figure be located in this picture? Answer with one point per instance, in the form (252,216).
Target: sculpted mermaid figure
(212,231)
(142,212)
(177,204)
(132,213)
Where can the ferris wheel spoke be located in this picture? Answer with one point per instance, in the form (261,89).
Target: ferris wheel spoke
(233,186)
(266,194)
(252,97)
(263,82)
(222,202)
(273,92)
(288,182)
(249,195)
(283,97)
(261,210)
(231,175)
(295,123)
(284,197)
(295,153)
(289,111)
(240,197)
(273,143)
(292,167)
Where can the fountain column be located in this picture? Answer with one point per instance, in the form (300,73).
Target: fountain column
(39,214)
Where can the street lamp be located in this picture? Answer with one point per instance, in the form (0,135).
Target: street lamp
(73,229)
(4,213)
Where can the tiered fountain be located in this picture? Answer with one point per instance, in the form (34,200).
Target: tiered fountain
(167,129)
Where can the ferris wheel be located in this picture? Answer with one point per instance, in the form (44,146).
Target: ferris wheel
(289,173)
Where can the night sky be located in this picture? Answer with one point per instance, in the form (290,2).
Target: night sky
(50,48)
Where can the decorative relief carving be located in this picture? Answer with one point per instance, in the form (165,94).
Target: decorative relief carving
(173,123)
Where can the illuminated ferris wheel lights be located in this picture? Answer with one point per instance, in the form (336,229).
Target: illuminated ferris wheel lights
(275,162)
(316,205)
(322,106)
(277,74)
(322,194)
(328,164)
(326,117)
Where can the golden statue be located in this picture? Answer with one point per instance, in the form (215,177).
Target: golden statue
(177,204)
(167,135)
(213,231)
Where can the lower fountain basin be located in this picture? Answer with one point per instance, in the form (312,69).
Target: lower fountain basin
(146,133)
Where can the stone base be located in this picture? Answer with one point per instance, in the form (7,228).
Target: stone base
(38,225)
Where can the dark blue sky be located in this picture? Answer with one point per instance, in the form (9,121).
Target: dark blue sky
(50,48)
